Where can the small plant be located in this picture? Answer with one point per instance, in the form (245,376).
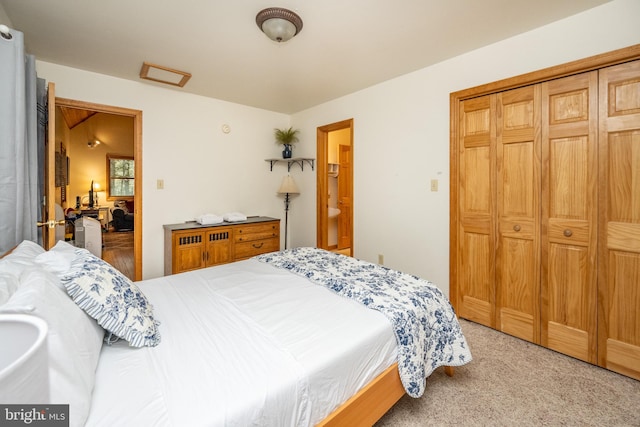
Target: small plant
(286,136)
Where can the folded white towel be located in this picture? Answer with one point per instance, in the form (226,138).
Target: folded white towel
(234,217)
(208,219)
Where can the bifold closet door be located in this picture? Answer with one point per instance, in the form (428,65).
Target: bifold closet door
(475,269)
(518,149)
(569,215)
(619,219)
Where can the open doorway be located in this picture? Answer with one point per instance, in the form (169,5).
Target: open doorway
(335,187)
(93,137)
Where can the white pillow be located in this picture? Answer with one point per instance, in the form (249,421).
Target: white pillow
(112,299)
(13,265)
(8,285)
(74,340)
(21,258)
(58,259)
(27,250)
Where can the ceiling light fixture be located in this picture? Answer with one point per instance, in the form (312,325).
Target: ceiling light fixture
(279,24)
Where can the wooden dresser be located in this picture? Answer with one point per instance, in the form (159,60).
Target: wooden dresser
(190,246)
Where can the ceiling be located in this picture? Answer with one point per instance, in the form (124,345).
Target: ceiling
(74,116)
(344,46)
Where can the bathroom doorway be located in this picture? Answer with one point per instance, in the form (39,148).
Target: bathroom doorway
(335,187)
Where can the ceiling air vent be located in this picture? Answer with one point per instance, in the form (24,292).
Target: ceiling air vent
(161,74)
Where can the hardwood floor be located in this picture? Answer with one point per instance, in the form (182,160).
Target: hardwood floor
(117,250)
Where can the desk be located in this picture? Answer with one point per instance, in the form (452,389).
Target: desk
(101,213)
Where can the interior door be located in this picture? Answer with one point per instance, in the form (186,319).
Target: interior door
(48,206)
(518,207)
(345,196)
(569,215)
(619,220)
(475,299)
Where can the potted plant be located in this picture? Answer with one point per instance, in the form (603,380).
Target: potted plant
(286,137)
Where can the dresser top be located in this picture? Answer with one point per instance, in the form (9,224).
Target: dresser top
(189,225)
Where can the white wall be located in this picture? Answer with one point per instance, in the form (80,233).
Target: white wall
(204,170)
(4,19)
(401,142)
(401,138)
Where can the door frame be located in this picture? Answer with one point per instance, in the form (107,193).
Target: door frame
(137,160)
(322,177)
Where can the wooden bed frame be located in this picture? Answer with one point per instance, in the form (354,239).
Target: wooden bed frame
(373,401)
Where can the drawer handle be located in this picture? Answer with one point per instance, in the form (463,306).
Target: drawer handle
(567,233)
(258,246)
(516,228)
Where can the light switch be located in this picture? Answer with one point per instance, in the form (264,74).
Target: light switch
(434,185)
(160,184)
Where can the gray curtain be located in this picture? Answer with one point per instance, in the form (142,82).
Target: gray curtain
(19,205)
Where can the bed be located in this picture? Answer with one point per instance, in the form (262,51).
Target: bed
(288,338)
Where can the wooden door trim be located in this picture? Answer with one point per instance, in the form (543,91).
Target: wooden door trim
(137,149)
(48,235)
(582,65)
(322,147)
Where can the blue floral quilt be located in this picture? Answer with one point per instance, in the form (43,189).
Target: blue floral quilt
(426,328)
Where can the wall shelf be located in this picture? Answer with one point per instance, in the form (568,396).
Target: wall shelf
(297,160)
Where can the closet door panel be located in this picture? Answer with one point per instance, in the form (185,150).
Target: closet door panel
(477,280)
(569,215)
(619,228)
(476,271)
(518,216)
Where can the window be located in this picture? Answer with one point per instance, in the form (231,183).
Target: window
(120,170)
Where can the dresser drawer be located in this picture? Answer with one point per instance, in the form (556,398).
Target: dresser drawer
(251,232)
(256,247)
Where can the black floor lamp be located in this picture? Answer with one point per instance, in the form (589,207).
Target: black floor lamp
(287,188)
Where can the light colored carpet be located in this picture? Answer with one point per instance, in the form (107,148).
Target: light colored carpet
(514,383)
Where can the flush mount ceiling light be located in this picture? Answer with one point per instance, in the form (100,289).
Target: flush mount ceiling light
(279,24)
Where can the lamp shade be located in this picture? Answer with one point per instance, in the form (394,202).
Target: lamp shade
(288,186)
(279,24)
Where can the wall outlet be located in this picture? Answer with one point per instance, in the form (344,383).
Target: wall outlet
(380,259)
(160,184)
(434,185)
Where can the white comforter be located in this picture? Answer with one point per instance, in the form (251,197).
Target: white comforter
(242,344)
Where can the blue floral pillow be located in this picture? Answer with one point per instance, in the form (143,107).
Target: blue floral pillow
(112,299)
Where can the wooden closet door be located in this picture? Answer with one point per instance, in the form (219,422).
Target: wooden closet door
(518,208)
(475,296)
(619,226)
(569,215)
